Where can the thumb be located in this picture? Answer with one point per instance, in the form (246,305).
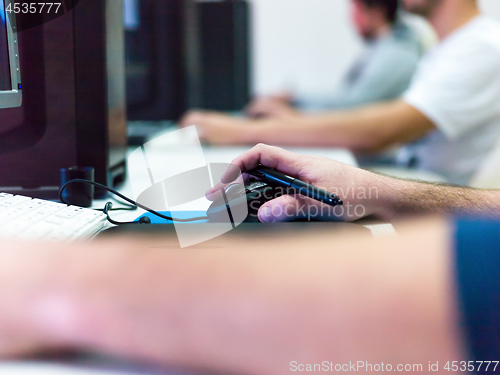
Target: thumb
(290,207)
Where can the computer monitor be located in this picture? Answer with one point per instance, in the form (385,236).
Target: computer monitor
(154,59)
(73,99)
(10,77)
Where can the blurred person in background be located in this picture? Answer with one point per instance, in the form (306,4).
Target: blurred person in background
(395,41)
(448,119)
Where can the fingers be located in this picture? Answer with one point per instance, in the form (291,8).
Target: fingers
(260,108)
(285,97)
(214,193)
(269,156)
(269,108)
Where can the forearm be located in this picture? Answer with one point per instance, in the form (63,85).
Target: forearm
(332,129)
(251,310)
(399,197)
(365,129)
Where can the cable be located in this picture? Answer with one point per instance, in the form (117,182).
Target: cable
(109,207)
(128,200)
(128,207)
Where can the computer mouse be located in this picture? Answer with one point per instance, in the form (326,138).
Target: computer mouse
(253,194)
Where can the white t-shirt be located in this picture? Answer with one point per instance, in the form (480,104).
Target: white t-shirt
(457,86)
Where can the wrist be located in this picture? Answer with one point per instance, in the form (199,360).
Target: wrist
(249,133)
(390,194)
(259,131)
(401,197)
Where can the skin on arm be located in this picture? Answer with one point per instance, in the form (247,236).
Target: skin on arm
(409,197)
(247,306)
(364,193)
(365,129)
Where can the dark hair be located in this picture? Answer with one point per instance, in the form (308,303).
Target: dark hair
(390,7)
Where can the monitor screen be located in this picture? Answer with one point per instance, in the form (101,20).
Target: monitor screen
(5,77)
(10,75)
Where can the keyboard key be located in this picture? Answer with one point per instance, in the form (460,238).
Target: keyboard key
(75,224)
(9,202)
(46,210)
(75,208)
(55,204)
(13,228)
(55,220)
(32,205)
(38,231)
(19,198)
(4,219)
(38,219)
(90,216)
(34,217)
(16,212)
(60,234)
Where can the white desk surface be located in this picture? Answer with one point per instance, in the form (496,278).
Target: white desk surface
(170,158)
(227,154)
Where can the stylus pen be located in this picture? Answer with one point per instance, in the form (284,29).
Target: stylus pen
(276,178)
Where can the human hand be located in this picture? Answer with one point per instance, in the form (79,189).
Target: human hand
(216,128)
(360,190)
(271,106)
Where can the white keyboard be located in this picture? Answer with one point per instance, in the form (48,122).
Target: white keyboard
(36,219)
